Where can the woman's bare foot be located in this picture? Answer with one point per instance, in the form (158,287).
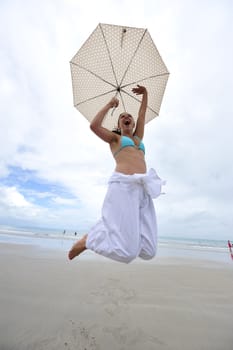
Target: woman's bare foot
(78,248)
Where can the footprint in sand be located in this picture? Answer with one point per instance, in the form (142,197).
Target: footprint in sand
(132,338)
(114,296)
(80,338)
(113,292)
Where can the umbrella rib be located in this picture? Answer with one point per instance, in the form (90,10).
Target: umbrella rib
(109,54)
(150,77)
(96,75)
(92,98)
(133,56)
(132,96)
(152,110)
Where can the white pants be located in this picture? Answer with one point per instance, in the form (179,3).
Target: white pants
(128,227)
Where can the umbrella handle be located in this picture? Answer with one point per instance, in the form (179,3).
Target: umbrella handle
(114,108)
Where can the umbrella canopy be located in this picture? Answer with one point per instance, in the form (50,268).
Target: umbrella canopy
(110,63)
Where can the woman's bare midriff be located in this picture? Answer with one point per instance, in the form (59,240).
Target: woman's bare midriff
(130,161)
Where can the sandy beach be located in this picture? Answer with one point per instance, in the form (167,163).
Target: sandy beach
(48,303)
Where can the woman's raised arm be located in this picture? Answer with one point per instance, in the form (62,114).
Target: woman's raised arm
(96,124)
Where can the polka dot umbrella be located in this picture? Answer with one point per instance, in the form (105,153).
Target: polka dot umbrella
(112,61)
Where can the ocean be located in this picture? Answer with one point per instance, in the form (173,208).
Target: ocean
(177,247)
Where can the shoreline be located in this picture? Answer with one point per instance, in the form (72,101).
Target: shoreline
(40,252)
(165,250)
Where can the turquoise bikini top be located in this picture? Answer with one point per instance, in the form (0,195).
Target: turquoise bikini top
(128,142)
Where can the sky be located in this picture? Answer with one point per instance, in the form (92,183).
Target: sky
(54,170)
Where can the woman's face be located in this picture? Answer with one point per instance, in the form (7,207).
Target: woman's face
(126,121)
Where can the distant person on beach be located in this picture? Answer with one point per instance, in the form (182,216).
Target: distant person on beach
(128,227)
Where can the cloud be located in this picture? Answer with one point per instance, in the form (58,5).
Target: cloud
(12,198)
(50,160)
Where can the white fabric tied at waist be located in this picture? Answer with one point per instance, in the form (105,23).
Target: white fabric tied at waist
(150,181)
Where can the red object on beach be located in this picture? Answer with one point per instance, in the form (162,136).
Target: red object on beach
(230,246)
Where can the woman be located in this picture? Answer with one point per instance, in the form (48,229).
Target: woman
(128,227)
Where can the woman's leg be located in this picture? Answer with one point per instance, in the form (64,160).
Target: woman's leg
(116,235)
(148,229)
